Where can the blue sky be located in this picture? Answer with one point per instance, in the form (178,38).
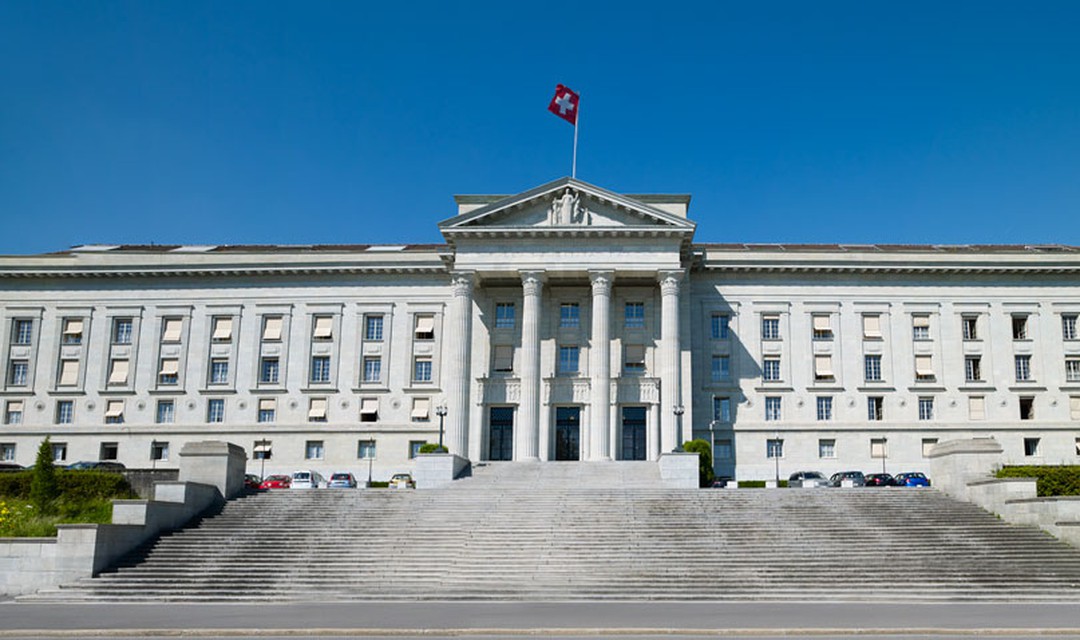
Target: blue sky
(327,122)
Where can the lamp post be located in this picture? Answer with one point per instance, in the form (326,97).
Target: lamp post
(712,443)
(153,454)
(777,445)
(884,452)
(441,412)
(370,461)
(679,410)
(262,446)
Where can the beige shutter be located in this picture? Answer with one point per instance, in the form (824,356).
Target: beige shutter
(823,366)
(267,404)
(317,411)
(324,328)
(871,326)
(425,324)
(169,367)
(977,407)
(822,323)
(15,406)
(223,329)
(421,408)
(73,327)
(369,406)
(1074,407)
(69,373)
(920,321)
(264,446)
(173,326)
(877,448)
(927,445)
(118,372)
(272,328)
(924,365)
(504,358)
(114,409)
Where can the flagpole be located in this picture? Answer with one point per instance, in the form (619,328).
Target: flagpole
(577,119)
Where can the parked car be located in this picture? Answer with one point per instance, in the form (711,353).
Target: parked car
(342,480)
(912,479)
(307,480)
(880,480)
(279,481)
(807,479)
(10,466)
(856,478)
(107,465)
(722,482)
(251,481)
(402,481)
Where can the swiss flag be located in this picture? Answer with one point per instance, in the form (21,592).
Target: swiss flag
(565,104)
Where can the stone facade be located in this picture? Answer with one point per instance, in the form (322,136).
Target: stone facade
(564,322)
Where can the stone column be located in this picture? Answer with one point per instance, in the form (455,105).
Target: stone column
(600,366)
(527,430)
(458,370)
(670,378)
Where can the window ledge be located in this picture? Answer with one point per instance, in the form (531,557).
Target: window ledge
(422,387)
(266,390)
(926,387)
(371,389)
(1027,386)
(875,387)
(977,386)
(116,392)
(167,391)
(773,387)
(65,392)
(1070,386)
(832,388)
(319,390)
(211,391)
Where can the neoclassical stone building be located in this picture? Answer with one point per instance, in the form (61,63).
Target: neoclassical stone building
(567,322)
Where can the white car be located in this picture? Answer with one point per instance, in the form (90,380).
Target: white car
(307,480)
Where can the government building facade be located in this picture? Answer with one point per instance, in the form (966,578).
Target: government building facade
(563,323)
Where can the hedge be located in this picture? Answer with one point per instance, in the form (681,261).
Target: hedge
(75,486)
(433,448)
(1053,481)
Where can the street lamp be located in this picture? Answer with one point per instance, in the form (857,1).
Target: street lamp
(679,410)
(441,412)
(884,452)
(777,446)
(712,443)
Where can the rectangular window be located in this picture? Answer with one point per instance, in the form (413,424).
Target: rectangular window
(73,331)
(372,368)
(871,326)
(970,327)
(634,359)
(219,371)
(635,315)
(322,328)
(976,408)
(118,372)
(824,408)
(317,410)
(373,328)
(320,369)
(721,368)
(926,408)
(1068,327)
(59,451)
(114,412)
(826,449)
(875,408)
(422,369)
(924,369)
(1074,407)
(722,409)
(425,327)
(65,411)
(878,448)
(414,447)
(504,315)
(872,368)
(772,408)
(171,329)
(1031,447)
(13,412)
(770,369)
(568,360)
(159,450)
(121,330)
(1023,368)
(267,410)
(723,450)
(166,412)
(109,451)
(1072,369)
(272,327)
(366,450)
(369,410)
(972,368)
(269,370)
(823,369)
(1027,408)
(774,448)
(313,450)
(22,331)
(69,373)
(927,445)
(169,372)
(1020,327)
(920,327)
(569,315)
(421,410)
(503,358)
(719,326)
(19,373)
(222,331)
(770,327)
(822,327)
(215,410)
(7,452)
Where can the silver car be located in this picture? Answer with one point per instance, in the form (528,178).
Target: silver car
(856,478)
(808,479)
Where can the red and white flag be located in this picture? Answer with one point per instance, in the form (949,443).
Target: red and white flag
(565,104)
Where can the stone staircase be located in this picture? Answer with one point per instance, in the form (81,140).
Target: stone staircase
(600,531)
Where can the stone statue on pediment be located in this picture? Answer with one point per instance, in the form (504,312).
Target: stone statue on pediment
(567,209)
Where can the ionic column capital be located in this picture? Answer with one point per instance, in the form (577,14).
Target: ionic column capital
(670,281)
(601,282)
(532,282)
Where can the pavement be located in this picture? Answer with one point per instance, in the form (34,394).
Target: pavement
(564,620)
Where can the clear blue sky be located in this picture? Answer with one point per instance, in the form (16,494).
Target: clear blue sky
(328,122)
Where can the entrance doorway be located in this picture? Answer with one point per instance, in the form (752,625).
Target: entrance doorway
(567,433)
(633,433)
(501,433)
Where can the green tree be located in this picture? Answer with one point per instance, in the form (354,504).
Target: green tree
(43,487)
(704,451)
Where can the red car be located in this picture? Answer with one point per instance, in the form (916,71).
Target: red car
(276,482)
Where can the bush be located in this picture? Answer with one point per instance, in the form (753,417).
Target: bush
(73,486)
(43,488)
(705,466)
(1053,481)
(433,448)
(759,484)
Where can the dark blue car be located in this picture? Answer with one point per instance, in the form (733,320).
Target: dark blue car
(914,479)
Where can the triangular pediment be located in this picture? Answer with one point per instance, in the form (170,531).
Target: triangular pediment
(566,205)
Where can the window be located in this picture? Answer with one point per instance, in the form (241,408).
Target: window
(159,450)
(822,327)
(569,315)
(721,368)
(976,408)
(634,359)
(169,372)
(1027,408)
(503,355)
(770,369)
(1068,327)
(369,410)
(7,452)
(269,370)
(719,326)
(774,448)
(1074,407)
(322,328)
(425,328)
(872,368)
(1072,369)
(171,329)
(823,369)
(121,330)
(635,315)
(722,409)
(871,326)
(215,410)
(313,450)
(65,411)
(926,408)
(972,368)
(414,447)
(875,408)
(267,410)
(1023,368)
(59,451)
(19,373)
(372,368)
(826,449)
(920,327)
(422,369)
(73,331)
(316,410)
(69,373)
(878,448)
(118,372)
(504,315)
(366,450)
(272,326)
(772,408)
(770,327)
(22,331)
(723,450)
(970,327)
(222,331)
(421,410)
(108,451)
(320,369)
(1020,327)
(13,412)
(927,446)
(568,360)
(824,408)
(114,412)
(924,369)
(219,371)
(166,412)
(1031,446)
(373,328)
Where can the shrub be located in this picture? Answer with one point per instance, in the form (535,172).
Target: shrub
(1053,481)
(704,451)
(43,487)
(433,448)
(759,484)
(74,486)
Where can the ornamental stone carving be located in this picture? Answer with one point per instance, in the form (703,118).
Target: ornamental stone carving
(669,282)
(566,209)
(601,282)
(532,282)
(461,283)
